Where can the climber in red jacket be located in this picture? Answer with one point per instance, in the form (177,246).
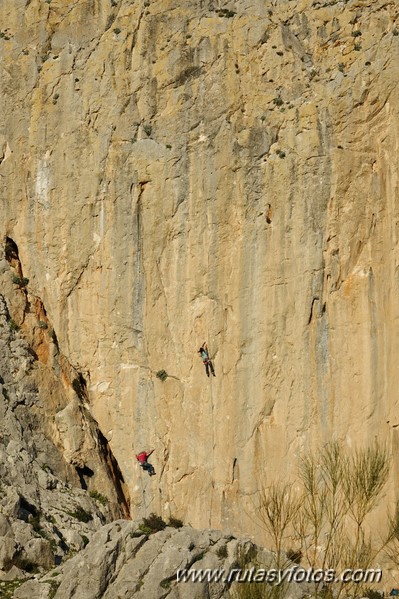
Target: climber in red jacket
(142,458)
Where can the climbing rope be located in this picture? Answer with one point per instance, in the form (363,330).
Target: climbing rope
(143,492)
(213,435)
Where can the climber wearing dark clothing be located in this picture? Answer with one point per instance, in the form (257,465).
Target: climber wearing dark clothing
(143,461)
(203,350)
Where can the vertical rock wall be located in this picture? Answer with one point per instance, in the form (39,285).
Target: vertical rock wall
(179,172)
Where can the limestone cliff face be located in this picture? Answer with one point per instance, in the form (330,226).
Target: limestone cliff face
(174,172)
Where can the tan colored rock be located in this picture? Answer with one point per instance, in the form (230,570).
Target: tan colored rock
(172,174)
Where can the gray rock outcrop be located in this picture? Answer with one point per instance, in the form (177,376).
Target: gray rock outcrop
(121,561)
(45,514)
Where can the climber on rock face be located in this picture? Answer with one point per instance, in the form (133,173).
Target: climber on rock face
(203,350)
(142,458)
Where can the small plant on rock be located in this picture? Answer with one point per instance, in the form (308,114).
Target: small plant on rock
(145,529)
(54,588)
(147,129)
(99,497)
(81,515)
(153,523)
(225,12)
(175,522)
(13,325)
(165,584)
(222,552)
(20,281)
(162,374)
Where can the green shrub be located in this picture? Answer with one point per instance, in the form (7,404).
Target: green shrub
(225,12)
(278,101)
(357,47)
(117,30)
(162,374)
(8,587)
(356,33)
(165,584)
(145,529)
(54,588)
(21,281)
(154,523)
(175,522)
(99,497)
(222,551)
(147,129)
(81,515)
(13,325)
